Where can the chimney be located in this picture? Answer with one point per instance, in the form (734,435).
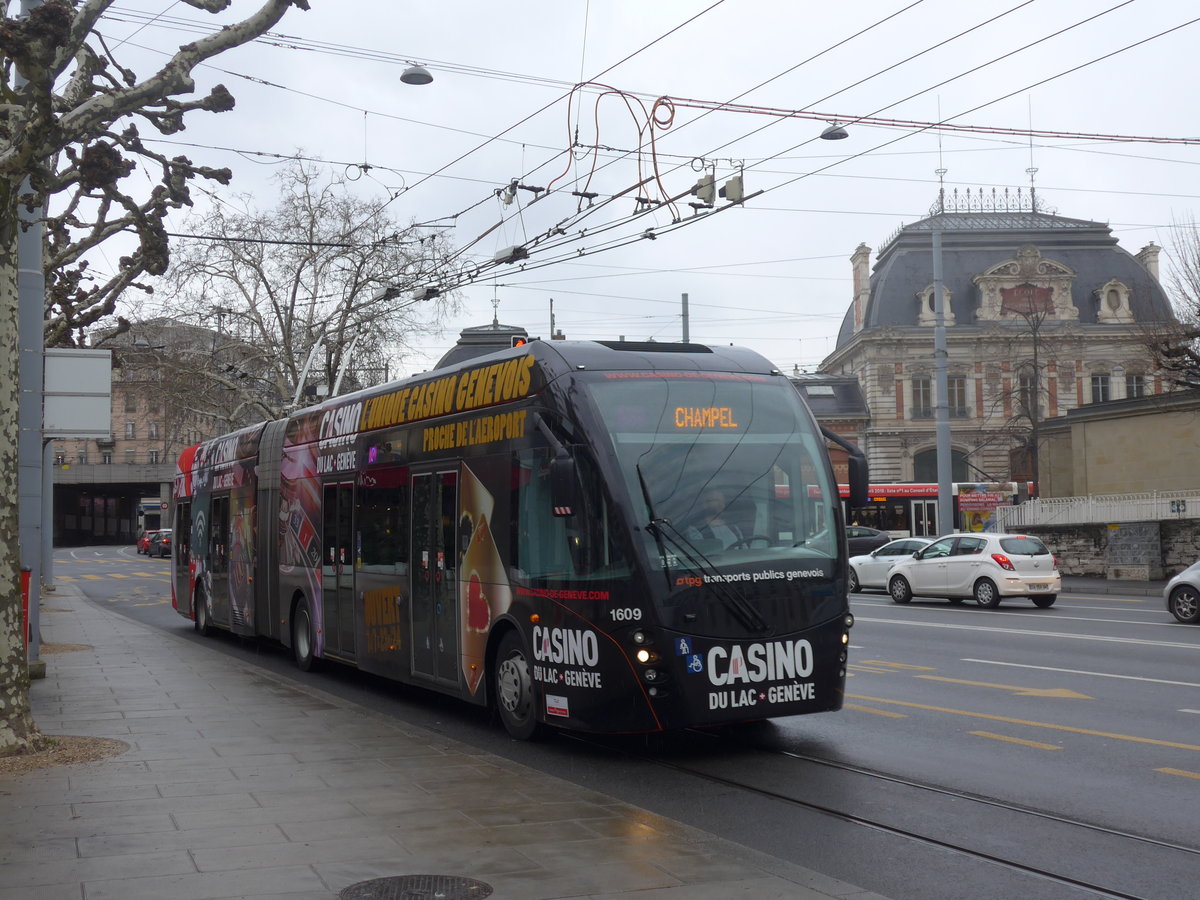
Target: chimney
(1148,257)
(860,264)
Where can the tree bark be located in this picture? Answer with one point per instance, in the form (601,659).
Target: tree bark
(17,729)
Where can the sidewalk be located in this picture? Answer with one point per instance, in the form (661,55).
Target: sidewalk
(240,784)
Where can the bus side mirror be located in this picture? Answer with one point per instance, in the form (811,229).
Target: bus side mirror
(564,494)
(859,495)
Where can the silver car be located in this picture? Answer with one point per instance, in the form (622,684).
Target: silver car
(986,567)
(871,570)
(1182,594)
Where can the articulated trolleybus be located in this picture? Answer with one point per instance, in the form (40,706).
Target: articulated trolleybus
(610,537)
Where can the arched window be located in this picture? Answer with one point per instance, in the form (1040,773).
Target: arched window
(925,466)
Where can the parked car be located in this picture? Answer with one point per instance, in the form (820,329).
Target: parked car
(862,539)
(143,541)
(987,567)
(1182,594)
(872,569)
(160,544)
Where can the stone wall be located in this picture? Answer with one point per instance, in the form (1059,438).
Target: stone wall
(1130,550)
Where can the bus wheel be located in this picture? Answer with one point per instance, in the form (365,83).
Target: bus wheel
(201,611)
(1044,601)
(514,688)
(302,636)
(986,594)
(899,589)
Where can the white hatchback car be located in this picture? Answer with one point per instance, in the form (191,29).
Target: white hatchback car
(984,566)
(872,569)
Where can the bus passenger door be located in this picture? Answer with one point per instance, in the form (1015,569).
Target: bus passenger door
(432,564)
(218,559)
(924,518)
(337,569)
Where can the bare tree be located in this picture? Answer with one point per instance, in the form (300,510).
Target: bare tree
(1175,347)
(1022,403)
(323,275)
(69,117)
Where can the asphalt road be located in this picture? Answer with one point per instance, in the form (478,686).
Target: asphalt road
(984,753)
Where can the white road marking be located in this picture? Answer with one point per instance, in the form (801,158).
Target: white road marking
(996,662)
(1050,634)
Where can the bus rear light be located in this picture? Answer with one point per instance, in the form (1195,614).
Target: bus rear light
(652,675)
(845,638)
(848,621)
(640,637)
(1004,562)
(646,656)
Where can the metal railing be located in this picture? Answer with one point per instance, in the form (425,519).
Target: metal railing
(1151,506)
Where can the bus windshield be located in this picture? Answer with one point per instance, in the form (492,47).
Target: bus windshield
(730,466)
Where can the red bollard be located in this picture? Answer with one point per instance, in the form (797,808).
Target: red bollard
(25,607)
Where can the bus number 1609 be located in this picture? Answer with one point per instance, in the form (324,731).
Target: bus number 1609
(626,614)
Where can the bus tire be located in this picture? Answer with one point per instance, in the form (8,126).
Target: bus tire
(1044,601)
(303,642)
(986,594)
(203,625)
(899,588)
(512,680)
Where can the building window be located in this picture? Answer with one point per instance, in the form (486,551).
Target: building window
(922,397)
(154,457)
(60,459)
(130,457)
(106,459)
(956,389)
(130,402)
(82,458)
(1101,389)
(153,430)
(130,430)
(1135,385)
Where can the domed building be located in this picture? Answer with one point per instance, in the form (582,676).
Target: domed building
(1043,314)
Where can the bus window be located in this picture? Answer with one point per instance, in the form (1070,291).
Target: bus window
(577,546)
(382,542)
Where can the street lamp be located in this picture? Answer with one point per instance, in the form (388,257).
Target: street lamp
(416,74)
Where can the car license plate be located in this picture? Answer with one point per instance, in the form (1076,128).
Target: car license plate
(1039,587)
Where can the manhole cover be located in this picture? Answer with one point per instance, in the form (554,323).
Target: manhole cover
(417,887)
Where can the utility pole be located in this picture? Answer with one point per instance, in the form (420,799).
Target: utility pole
(944,462)
(31,304)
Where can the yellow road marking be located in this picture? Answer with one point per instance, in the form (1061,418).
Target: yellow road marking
(1067,728)
(1184,772)
(870,669)
(895,665)
(94,577)
(878,712)
(1012,740)
(117,575)
(64,578)
(1021,691)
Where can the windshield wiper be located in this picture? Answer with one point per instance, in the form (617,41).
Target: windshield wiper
(733,598)
(664,530)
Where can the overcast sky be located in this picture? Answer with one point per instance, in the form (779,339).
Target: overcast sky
(773,274)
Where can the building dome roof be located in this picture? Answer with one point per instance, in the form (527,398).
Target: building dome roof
(978,241)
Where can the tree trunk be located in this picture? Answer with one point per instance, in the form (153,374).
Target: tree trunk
(17,730)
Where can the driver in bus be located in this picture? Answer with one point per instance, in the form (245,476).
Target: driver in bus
(711,524)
